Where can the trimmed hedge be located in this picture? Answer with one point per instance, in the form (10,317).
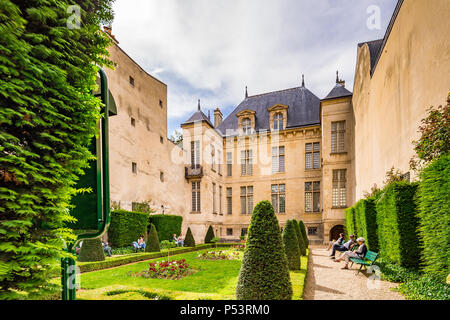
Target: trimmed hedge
(91,250)
(434,214)
(291,247)
(126,227)
(366,222)
(264,273)
(301,241)
(189,240)
(119,261)
(166,225)
(153,241)
(350,223)
(397,224)
(303,230)
(209,235)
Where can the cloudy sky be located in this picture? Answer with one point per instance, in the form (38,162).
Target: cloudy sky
(212,49)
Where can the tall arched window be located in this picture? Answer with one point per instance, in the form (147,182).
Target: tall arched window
(246,125)
(278,122)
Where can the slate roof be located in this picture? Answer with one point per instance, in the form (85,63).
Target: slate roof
(196,117)
(304,109)
(338,91)
(374,49)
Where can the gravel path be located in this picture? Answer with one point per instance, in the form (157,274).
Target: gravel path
(327,281)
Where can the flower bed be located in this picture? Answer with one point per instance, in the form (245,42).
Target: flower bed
(220,255)
(173,270)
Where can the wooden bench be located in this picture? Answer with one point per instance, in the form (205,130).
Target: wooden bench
(368,260)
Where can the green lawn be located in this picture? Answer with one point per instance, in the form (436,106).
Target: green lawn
(215,280)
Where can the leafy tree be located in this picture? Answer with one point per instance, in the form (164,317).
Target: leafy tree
(209,235)
(303,230)
(434,141)
(189,240)
(301,241)
(153,240)
(264,273)
(48,118)
(291,247)
(91,250)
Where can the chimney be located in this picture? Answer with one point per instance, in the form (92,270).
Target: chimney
(217,117)
(108,31)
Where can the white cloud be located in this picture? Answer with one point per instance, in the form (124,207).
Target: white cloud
(211,49)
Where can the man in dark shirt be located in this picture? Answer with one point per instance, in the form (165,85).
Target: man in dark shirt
(338,246)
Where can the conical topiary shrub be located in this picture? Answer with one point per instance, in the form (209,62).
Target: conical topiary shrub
(264,273)
(91,250)
(209,235)
(189,240)
(153,240)
(301,242)
(291,247)
(303,230)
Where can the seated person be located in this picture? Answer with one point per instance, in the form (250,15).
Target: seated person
(359,254)
(78,248)
(106,248)
(140,244)
(338,241)
(342,247)
(178,240)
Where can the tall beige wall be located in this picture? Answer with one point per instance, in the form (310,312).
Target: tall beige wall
(412,74)
(142,142)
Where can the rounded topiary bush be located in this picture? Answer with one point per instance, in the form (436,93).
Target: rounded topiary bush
(303,230)
(301,241)
(189,240)
(264,273)
(91,250)
(153,240)
(209,235)
(291,247)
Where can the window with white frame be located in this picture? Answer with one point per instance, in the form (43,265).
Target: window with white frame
(338,137)
(246,126)
(279,198)
(195,154)
(278,122)
(339,191)
(312,196)
(312,155)
(229,201)
(246,163)
(246,200)
(196,196)
(278,159)
(229,164)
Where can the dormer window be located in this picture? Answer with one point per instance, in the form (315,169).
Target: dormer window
(246,126)
(278,122)
(278,117)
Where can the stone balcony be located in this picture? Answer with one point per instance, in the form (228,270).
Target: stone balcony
(193,172)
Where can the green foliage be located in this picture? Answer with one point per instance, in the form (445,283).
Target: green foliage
(47,118)
(301,241)
(434,141)
(366,222)
(350,222)
(291,246)
(167,225)
(166,244)
(143,207)
(303,230)
(425,288)
(122,251)
(153,241)
(397,224)
(189,240)
(434,214)
(209,235)
(264,273)
(126,227)
(91,250)
(395,273)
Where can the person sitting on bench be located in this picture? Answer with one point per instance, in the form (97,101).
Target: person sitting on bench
(140,244)
(342,247)
(359,254)
(106,248)
(179,241)
(338,241)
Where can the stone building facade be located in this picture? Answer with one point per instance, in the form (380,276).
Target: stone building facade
(310,157)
